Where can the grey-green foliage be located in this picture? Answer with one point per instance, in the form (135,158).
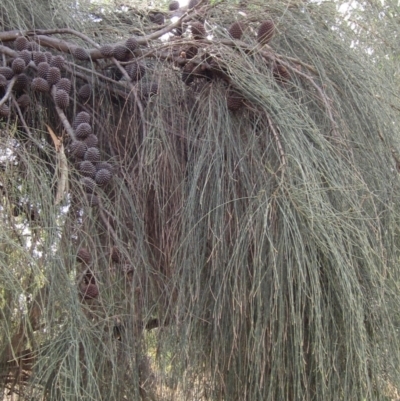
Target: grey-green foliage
(264,242)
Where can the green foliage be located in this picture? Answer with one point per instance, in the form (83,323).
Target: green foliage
(239,253)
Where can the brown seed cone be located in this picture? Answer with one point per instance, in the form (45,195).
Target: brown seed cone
(7,72)
(22,82)
(81,117)
(147,90)
(120,53)
(4,110)
(49,58)
(83,130)
(103,177)
(236,30)
(193,3)
(93,200)
(84,256)
(21,43)
(78,149)
(56,61)
(38,57)
(107,50)
(53,75)
(157,18)
(174,5)
(280,73)
(265,32)
(91,141)
(81,54)
(24,101)
(64,84)
(89,291)
(43,69)
(136,71)
(191,52)
(3,81)
(93,155)
(104,165)
(87,169)
(26,55)
(84,92)
(40,85)
(18,65)
(62,99)
(234,100)
(198,30)
(131,44)
(88,184)
(187,73)
(115,255)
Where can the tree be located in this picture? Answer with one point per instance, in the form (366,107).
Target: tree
(208,215)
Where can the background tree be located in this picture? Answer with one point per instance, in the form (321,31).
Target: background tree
(198,208)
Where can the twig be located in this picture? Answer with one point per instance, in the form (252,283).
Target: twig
(278,144)
(21,117)
(9,89)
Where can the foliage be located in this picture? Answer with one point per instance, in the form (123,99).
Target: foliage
(246,246)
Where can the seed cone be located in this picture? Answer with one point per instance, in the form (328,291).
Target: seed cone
(18,65)
(104,165)
(7,72)
(174,5)
(22,82)
(64,84)
(187,73)
(234,100)
(157,18)
(280,73)
(40,85)
(198,30)
(236,30)
(131,44)
(81,54)
(24,101)
(4,110)
(56,61)
(103,177)
(93,200)
(266,32)
(3,81)
(87,169)
(38,57)
(78,149)
(62,98)
(107,50)
(85,92)
(136,71)
(83,130)
(92,155)
(81,117)
(43,69)
(120,53)
(88,184)
(21,43)
(90,291)
(26,55)
(84,256)
(53,75)
(91,141)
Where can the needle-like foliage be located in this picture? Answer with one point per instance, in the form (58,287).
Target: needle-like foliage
(230,230)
